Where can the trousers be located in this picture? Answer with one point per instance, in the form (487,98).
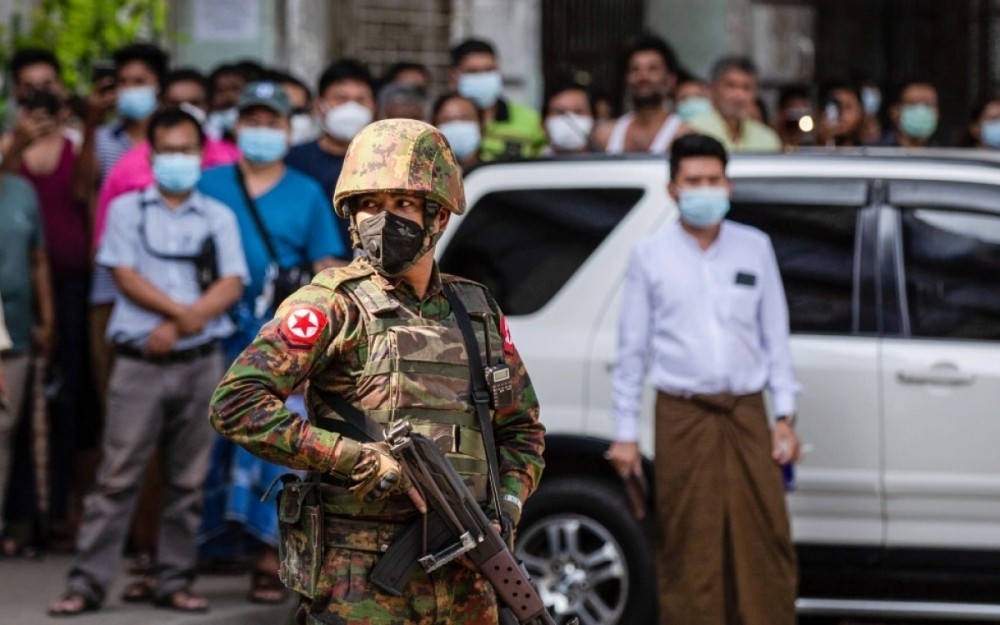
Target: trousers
(451,595)
(150,406)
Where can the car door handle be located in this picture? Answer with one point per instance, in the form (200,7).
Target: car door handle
(945,377)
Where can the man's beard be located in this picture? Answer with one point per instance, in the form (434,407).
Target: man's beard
(647,101)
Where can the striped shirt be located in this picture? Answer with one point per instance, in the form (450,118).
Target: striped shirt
(111,142)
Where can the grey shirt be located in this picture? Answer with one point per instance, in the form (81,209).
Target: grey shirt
(176,232)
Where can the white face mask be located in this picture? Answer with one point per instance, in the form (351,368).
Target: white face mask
(462,136)
(568,132)
(344,121)
(303,128)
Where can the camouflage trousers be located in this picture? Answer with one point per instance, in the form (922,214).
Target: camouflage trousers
(452,595)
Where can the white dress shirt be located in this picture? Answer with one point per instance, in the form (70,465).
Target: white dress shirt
(702,321)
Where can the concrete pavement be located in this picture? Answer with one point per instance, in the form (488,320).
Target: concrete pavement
(28,586)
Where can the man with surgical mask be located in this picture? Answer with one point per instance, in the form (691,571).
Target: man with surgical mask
(914,116)
(734,96)
(139,70)
(285,222)
(569,120)
(345,103)
(169,317)
(511,130)
(704,314)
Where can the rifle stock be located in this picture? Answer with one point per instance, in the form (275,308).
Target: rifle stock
(471,532)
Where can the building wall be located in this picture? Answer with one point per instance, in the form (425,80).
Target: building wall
(206,44)
(382,32)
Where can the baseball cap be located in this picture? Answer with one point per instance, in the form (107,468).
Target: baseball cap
(267,94)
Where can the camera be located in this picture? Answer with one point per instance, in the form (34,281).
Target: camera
(42,99)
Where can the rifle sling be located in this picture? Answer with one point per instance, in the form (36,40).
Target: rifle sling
(354,423)
(480,394)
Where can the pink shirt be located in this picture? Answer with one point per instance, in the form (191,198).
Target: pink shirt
(133,172)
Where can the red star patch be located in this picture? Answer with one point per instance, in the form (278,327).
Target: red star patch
(508,342)
(302,326)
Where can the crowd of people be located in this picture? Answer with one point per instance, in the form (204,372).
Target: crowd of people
(159,221)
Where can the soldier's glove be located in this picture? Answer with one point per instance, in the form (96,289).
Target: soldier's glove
(508,530)
(376,474)
(510,516)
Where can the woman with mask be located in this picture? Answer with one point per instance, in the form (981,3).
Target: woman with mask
(983,130)
(345,103)
(461,123)
(569,120)
(285,222)
(914,116)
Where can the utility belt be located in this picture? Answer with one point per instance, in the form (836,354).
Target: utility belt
(307,530)
(172,358)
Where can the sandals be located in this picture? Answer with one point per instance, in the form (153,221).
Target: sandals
(73,604)
(266,587)
(182,600)
(11,548)
(139,591)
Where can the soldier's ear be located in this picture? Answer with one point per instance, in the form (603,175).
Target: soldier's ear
(442,218)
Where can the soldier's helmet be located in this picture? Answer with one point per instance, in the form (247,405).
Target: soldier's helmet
(402,155)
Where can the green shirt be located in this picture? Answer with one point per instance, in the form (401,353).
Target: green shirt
(515,132)
(754,136)
(20,235)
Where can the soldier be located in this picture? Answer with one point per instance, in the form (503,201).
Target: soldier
(379,339)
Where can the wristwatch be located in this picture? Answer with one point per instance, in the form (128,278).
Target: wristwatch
(788,418)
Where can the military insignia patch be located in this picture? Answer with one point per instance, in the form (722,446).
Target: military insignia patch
(302,326)
(508,342)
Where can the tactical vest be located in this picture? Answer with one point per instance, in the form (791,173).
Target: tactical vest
(418,370)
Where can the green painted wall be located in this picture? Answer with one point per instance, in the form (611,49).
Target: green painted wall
(695,28)
(207,54)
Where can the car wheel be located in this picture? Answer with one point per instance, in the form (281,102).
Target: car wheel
(586,555)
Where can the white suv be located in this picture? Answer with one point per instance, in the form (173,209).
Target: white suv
(891,265)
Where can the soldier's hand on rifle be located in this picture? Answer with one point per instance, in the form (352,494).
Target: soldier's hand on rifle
(377,475)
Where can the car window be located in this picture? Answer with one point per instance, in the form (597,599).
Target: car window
(951,263)
(814,239)
(524,245)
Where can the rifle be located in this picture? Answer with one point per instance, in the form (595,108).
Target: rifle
(455,526)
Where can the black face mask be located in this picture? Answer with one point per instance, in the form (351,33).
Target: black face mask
(393,243)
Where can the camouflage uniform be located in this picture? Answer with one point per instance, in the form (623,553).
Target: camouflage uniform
(370,339)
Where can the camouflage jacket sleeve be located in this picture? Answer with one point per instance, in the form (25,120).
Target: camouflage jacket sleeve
(520,436)
(249,404)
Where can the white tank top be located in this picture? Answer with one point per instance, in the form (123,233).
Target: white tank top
(661,142)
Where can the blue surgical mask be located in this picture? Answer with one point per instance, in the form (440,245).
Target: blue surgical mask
(990,132)
(692,107)
(136,103)
(176,173)
(462,136)
(261,144)
(483,88)
(871,100)
(703,207)
(918,121)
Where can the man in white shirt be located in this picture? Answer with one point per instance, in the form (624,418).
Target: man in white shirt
(705,308)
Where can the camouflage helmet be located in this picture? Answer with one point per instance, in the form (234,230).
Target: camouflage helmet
(402,155)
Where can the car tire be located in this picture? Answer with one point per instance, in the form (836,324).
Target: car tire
(586,554)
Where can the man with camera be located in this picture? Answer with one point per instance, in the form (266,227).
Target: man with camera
(178,263)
